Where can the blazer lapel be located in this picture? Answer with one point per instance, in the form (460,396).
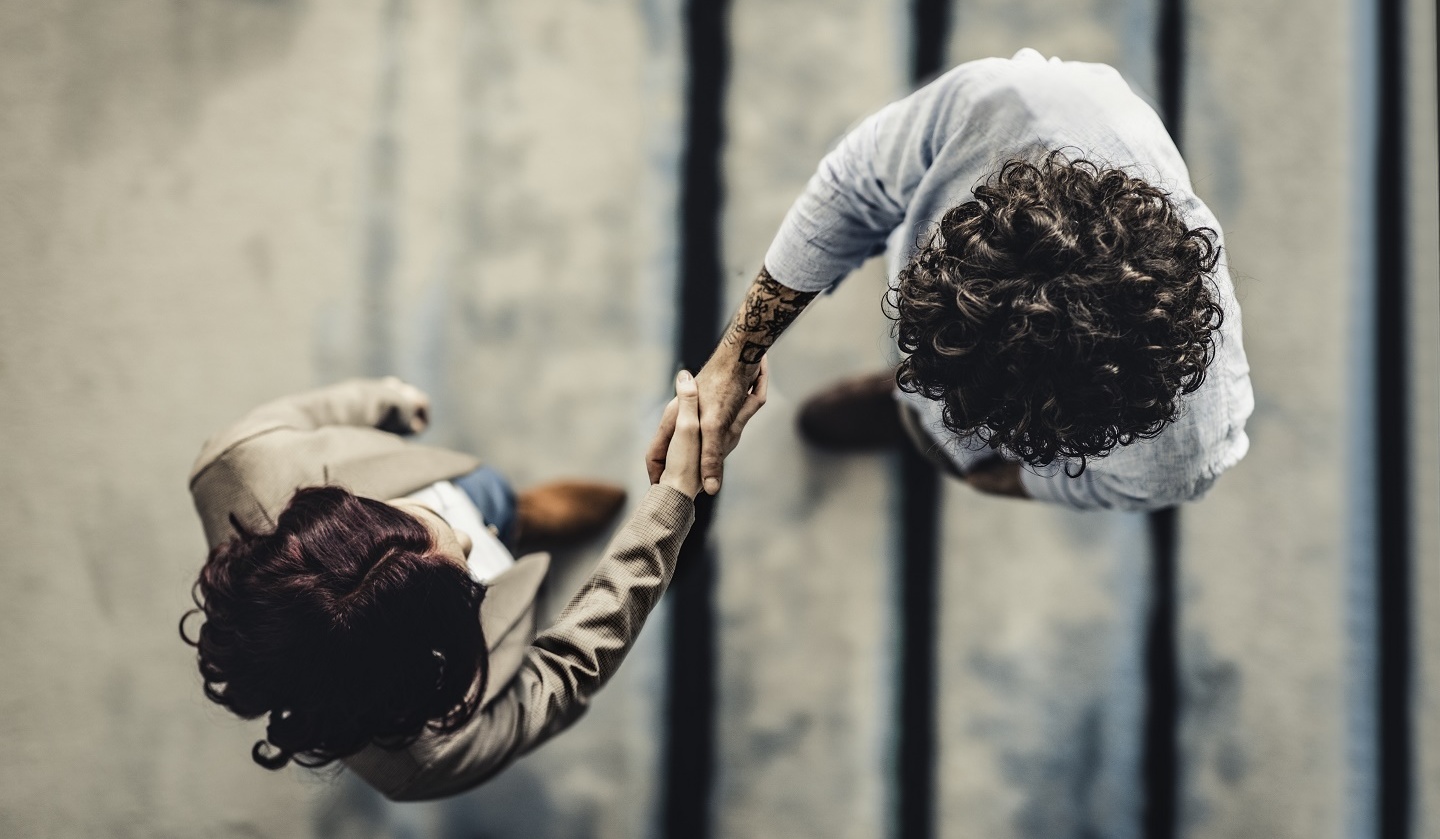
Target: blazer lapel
(507,617)
(383,475)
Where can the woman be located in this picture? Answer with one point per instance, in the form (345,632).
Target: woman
(365,630)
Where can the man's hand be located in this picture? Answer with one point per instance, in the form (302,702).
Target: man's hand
(998,477)
(735,372)
(724,410)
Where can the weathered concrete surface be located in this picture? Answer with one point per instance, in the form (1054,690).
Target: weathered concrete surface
(1121,34)
(208,204)
(179,204)
(1042,609)
(1423,205)
(1265,559)
(803,538)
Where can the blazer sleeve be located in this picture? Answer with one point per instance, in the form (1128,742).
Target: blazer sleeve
(364,402)
(569,662)
(374,403)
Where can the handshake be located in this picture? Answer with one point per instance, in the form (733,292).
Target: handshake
(674,456)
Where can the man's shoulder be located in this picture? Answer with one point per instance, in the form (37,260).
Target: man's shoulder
(1028,98)
(1027,71)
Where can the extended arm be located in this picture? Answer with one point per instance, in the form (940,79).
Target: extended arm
(859,194)
(573,659)
(569,662)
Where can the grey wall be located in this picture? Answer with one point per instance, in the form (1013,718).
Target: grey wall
(208,203)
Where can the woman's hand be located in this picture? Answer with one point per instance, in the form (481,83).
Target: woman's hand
(682,458)
(409,411)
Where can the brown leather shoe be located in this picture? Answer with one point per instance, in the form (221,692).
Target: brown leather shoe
(856,414)
(563,513)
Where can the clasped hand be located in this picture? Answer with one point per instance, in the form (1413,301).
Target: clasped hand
(691,444)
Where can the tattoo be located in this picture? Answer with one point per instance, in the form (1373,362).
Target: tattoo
(768,310)
(752,352)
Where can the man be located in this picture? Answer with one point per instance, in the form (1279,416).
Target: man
(1069,328)
(360,592)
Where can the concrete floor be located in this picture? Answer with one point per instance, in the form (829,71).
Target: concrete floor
(208,203)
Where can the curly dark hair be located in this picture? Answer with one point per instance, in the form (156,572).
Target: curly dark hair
(343,626)
(1061,313)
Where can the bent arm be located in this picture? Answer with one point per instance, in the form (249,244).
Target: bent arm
(859,194)
(388,404)
(861,191)
(569,662)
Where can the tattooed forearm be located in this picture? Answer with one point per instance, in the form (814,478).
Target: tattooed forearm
(768,310)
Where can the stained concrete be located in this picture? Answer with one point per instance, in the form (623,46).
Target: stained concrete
(1265,559)
(1423,251)
(176,213)
(803,538)
(209,203)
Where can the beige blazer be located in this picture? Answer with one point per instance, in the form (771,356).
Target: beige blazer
(538,685)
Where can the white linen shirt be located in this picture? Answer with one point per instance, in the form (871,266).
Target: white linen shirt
(892,178)
(488,557)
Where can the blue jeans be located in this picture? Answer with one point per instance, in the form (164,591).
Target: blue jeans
(495,499)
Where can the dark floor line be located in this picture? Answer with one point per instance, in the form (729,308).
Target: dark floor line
(1392,435)
(1160,760)
(689,749)
(689,761)
(1170,64)
(919,626)
(919,491)
(930,37)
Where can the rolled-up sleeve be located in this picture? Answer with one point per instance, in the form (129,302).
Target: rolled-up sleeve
(862,189)
(842,218)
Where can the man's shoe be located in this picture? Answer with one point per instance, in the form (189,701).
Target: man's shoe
(858,414)
(563,513)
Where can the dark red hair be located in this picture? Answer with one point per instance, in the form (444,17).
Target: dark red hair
(343,626)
